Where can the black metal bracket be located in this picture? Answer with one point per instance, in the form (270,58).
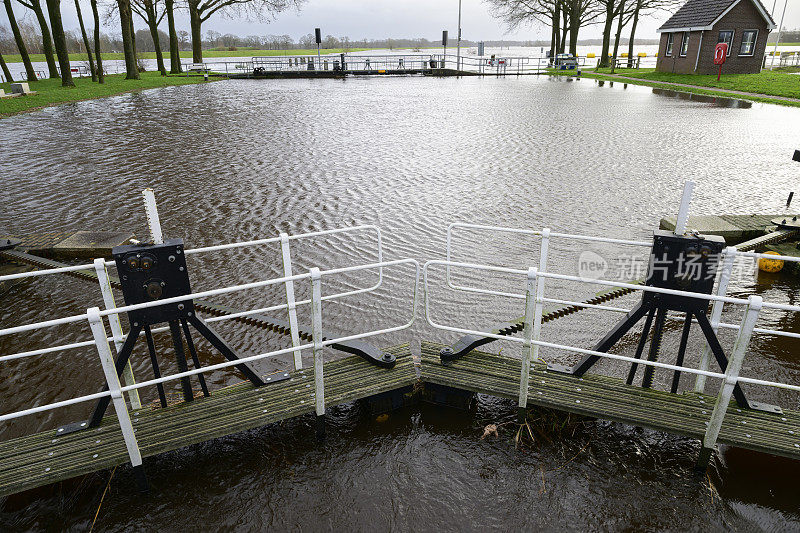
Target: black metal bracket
(367,351)
(467,343)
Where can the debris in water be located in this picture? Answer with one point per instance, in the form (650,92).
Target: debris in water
(490,429)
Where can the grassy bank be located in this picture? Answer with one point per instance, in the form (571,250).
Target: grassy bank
(50,92)
(763,86)
(187,54)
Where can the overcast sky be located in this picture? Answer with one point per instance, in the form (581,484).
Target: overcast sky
(377,19)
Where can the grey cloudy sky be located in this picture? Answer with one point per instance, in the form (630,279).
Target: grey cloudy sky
(374,19)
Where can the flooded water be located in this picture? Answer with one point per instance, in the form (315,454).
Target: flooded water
(246,159)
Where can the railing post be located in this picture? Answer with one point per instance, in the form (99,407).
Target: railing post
(116,328)
(729,256)
(533,325)
(110,371)
(316,332)
(290,300)
(683,211)
(731,377)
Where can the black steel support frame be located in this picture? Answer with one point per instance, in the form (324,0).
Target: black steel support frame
(649,307)
(210,335)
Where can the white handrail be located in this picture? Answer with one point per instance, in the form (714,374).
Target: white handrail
(539,297)
(247,359)
(521,231)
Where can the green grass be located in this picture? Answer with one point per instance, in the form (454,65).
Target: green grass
(50,92)
(187,54)
(768,82)
(763,85)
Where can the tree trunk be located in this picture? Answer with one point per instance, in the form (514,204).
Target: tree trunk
(620,23)
(556,32)
(47,40)
(133,42)
(565,19)
(152,23)
(23,51)
(101,75)
(86,41)
(197,38)
(60,42)
(174,50)
(6,72)
(574,27)
(607,33)
(633,32)
(128,46)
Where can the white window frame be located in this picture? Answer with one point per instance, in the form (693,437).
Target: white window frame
(730,45)
(670,44)
(755,40)
(684,44)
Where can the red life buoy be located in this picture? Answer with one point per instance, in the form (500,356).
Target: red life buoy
(720,53)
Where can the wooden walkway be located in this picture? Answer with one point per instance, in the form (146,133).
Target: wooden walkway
(610,398)
(45,458)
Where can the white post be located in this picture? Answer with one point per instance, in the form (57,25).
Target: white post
(780,30)
(729,256)
(110,371)
(683,212)
(533,324)
(290,300)
(731,377)
(116,328)
(153,222)
(316,332)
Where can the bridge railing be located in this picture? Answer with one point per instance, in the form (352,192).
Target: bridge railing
(534,297)
(354,63)
(95,318)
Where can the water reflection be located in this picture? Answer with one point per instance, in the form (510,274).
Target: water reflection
(717,101)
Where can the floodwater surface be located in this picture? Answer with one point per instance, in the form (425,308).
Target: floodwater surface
(246,159)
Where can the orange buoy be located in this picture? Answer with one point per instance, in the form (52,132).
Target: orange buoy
(770,265)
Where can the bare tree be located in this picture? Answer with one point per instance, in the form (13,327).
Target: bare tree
(643,7)
(612,9)
(47,40)
(60,42)
(517,13)
(174,47)
(201,10)
(152,12)
(85,40)
(101,75)
(6,72)
(23,50)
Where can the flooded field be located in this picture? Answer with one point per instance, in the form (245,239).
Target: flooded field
(246,159)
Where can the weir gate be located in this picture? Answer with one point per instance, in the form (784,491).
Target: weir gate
(687,283)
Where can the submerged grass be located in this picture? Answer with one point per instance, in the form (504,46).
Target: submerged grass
(765,86)
(50,92)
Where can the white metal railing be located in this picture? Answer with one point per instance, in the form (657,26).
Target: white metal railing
(534,297)
(115,390)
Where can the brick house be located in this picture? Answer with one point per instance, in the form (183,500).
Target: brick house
(689,37)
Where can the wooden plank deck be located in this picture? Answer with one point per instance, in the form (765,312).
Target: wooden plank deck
(610,398)
(735,228)
(45,457)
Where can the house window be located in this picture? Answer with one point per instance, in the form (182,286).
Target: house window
(726,36)
(748,47)
(670,38)
(685,44)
